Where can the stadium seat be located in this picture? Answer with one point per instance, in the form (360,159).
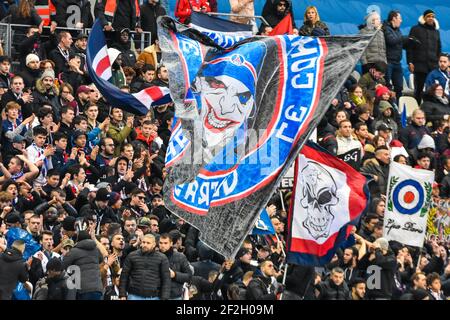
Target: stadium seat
(407,91)
(411,81)
(410,103)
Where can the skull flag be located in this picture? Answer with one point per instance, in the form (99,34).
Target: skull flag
(329,197)
(243,114)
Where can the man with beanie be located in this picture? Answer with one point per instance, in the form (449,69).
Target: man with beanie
(46,92)
(180,271)
(423,50)
(31,72)
(87,257)
(54,285)
(12,269)
(66,230)
(145,273)
(100,208)
(381,256)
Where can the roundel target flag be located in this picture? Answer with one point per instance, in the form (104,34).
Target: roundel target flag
(408,202)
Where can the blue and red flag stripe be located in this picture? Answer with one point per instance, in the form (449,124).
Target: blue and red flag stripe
(99,68)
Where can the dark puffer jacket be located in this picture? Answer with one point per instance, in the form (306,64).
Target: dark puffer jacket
(12,269)
(145,274)
(394,43)
(86,256)
(183,273)
(434,108)
(260,288)
(330,291)
(424,46)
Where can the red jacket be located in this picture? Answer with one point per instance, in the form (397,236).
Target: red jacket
(184,8)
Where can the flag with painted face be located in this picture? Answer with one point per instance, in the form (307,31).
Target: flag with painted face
(409,196)
(243,114)
(329,197)
(100,71)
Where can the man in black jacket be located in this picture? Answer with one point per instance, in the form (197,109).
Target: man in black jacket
(60,55)
(334,288)
(423,50)
(180,271)
(383,262)
(150,11)
(12,269)
(261,286)
(394,46)
(145,274)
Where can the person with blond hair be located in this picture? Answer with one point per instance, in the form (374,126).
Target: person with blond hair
(312,25)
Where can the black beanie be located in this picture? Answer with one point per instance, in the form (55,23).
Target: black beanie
(83,235)
(427,12)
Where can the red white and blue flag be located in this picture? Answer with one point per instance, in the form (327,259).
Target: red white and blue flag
(99,67)
(329,198)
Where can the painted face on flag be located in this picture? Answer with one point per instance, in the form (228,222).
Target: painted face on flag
(225,88)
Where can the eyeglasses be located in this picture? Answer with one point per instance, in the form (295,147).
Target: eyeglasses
(141,197)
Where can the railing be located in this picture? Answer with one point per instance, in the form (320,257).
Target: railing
(12,34)
(237,15)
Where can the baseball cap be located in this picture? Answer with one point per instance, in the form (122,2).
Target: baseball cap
(83,89)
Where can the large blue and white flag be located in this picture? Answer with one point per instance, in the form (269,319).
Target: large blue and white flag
(328,199)
(243,114)
(99,67)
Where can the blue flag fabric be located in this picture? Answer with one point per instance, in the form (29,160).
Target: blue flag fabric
(263,225)
(100,71)
(404,118)
(243,114)
(31,246)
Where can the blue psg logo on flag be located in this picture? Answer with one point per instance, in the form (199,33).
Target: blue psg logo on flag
(408,197)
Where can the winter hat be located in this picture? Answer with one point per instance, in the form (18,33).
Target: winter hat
(426,142)
(48,74)
(383,127)
(69,223)
(427,12)
(102,195)
(54,264)
(68,243)
(381,90)
(384,244)
(83,235)
(31,57)
(113,198)
(384,105)
(18,138)
(12,218)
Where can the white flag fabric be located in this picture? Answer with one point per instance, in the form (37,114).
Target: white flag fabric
(408,201)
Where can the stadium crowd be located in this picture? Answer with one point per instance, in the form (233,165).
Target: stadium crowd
(85,180)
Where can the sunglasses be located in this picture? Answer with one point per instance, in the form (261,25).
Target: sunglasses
(141,198)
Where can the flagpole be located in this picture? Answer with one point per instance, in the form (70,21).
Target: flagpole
(282,201)
(284,278)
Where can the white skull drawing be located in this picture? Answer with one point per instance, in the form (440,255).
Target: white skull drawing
(318,196)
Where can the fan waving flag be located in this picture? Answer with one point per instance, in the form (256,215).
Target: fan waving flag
(329,196)
(243,114)
(409,197)
(283,27)
(100,71)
